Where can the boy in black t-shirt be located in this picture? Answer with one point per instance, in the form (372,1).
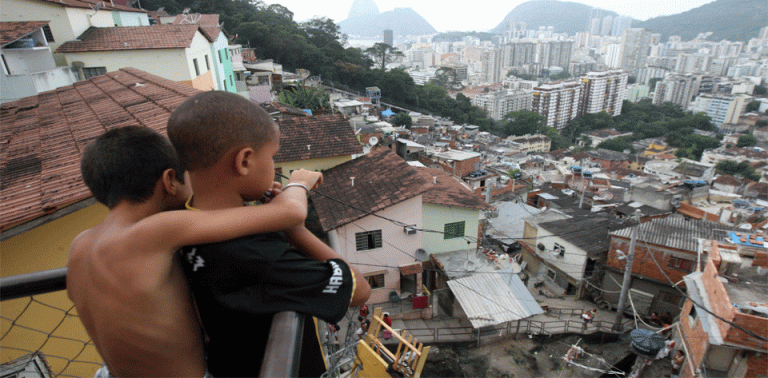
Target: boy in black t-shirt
(227,143)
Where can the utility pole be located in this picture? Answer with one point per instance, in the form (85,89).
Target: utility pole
(627,283)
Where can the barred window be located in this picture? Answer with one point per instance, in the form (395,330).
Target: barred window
(376,281)
(48,33)
(559,250)
(368,240)
(453,230)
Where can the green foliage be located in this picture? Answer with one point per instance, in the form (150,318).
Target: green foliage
(402,119)
(382,53)
(689,144)
(522,122)
(446,78)
(760,90)
(743,169)
(761,123)
(617,144)
(753,106)
(746,140)
(304,97)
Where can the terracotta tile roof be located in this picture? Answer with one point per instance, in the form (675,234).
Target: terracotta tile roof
(12,31)
(696,213)
(209,22)
(89,4)
(728,180)
(43,136)
(133,38)
(449,191)
(382,179)
(303,138)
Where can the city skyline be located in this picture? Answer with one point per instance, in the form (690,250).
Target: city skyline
(477,17)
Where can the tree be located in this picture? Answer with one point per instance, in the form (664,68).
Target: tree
(402,119)
(746,140)
(304,97)
(760,90)
(743,169)
(617,144)
(523,122)
(446,78)
(753,106)
(382,53)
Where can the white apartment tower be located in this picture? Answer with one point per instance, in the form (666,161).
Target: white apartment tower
(492,63)
(635,46)
(500,103)
(603,91)
(722,108)
(677,89)
(558,102)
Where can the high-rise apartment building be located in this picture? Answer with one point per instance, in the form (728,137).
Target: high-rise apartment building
(500,103)
(389,37)
(603,91)
(492,63)
(554,53)
(620,24)
(635,46)
(722,108)
(558,102)
(676,88)
(691,63)
(612,55)
(594,26)
(605,29)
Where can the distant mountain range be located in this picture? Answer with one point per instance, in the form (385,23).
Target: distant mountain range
(735,20)
(564,16)
(366,21)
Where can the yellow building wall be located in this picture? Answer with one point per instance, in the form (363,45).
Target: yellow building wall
(312,164)
(373,365)
(47,247)
(203,82)
(167,63)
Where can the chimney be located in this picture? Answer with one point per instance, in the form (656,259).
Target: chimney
(353,180)
(434,179)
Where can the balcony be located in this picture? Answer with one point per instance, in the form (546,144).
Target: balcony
(37,334)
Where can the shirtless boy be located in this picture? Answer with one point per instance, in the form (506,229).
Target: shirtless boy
(124,276)
(227,144)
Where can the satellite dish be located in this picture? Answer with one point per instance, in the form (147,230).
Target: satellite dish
(302,74)
(373,141)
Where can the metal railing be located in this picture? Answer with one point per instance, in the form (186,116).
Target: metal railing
(282,355)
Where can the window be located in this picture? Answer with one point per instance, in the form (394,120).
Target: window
(681,264)
(559,250)
(225,84)
(48,33)
(368,240)
(219,54)
(207,63)
(231,80)
(89,72)
(376,281)
(692,317)
(453,230)
(197,69)
(551,274)
(6,69)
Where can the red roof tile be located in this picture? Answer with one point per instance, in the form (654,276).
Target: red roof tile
(12,31)
(303,138)
(449,191)
(133,38)
(90,4)
(42,136)
(382,179)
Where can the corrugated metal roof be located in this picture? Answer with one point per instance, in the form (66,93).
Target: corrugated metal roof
(488,300)
(676,232)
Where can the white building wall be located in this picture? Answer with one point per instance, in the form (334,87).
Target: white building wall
(437,216)
(169,64)
(397,248)
(572,263)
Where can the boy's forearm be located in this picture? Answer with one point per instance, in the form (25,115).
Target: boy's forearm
(305,241)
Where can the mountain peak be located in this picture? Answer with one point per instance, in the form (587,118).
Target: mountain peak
(363,8)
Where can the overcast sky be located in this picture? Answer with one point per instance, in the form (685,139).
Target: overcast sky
(478,14)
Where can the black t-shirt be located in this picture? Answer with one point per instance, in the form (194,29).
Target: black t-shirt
(240,283)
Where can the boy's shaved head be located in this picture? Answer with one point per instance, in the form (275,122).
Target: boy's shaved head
(207,125)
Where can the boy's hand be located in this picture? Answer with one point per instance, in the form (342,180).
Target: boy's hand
(309,178)
(276,189)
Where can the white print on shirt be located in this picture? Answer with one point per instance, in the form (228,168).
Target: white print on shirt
(196,261)
(336,280)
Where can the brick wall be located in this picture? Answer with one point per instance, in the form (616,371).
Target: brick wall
(695,339)
(644,265)
(757,365)
(756,324)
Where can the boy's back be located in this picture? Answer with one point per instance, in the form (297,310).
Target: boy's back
(137,309)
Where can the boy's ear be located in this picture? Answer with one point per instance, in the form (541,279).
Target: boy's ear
(243,165)
(170,182)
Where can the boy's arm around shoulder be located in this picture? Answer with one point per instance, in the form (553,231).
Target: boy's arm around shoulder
(174,229)
(305,241)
